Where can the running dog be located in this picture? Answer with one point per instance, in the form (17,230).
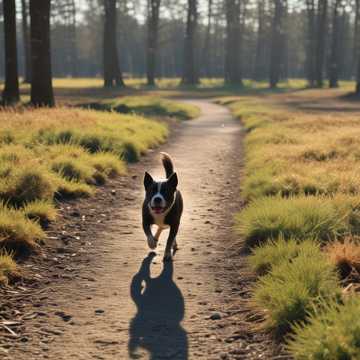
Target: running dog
(163,206)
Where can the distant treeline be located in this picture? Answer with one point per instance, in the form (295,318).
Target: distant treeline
(234,39)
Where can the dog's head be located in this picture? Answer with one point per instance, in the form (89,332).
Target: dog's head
(160,194)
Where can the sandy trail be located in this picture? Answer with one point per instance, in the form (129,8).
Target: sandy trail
(128,305)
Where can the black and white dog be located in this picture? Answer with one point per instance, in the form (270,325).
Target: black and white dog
(163,206)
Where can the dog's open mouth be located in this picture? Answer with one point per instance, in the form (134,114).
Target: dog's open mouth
(158,209)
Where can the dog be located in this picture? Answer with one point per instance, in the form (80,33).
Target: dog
(163,206)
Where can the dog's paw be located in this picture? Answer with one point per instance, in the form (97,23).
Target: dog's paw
(167,257)
(152,242)
(175,248)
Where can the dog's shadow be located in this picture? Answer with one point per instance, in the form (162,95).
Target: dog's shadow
(160,305)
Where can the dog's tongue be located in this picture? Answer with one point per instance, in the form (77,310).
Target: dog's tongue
(158,210)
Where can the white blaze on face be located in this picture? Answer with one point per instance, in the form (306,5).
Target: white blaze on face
(158,195)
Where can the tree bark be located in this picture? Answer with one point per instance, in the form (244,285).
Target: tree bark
(233,68)
(190,71)
(320,41)
(207,54)
(152,39)
(310,43)
(41,83)
(260,55)
(26,41)
(10,94)
(334,56)
(276,44)
(112,72)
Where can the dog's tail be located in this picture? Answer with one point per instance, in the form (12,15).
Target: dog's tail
(167,163)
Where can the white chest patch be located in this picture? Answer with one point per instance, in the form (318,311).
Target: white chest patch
(159,218)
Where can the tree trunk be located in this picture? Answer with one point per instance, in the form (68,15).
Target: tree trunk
(310,43)
(41,83)
(260,55)
(320,42)
(233,71)
(152,39)
(207,54)
(334,56)
(112,72)
(26,41)
(276,45)
(190,73)
(10,94)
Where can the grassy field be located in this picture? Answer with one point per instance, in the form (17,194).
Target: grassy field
(48,154)
(301,221)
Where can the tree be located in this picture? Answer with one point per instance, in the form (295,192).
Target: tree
(310,42)
(276,44)
(334,55)
(233,71)
(26,41)
(320,41)
(260,67)
(10,94)
(207,54)
(190,72)
(41,83)
(112,72)
(153,10)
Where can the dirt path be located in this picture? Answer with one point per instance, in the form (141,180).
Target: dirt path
(167,313)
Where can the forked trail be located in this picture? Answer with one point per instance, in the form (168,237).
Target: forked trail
(126,304)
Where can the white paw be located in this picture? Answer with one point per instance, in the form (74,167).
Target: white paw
(152,242)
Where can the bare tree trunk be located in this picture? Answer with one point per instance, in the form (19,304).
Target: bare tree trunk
(356,37)
(260,55)
(276,45)
(112,72)
(233,71)
(206,54)
(10,94)
(26,41)
(190,73)
(310,43)
(334,56)
(320,41)
(41,82)
(152,39)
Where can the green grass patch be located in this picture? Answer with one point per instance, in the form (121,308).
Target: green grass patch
(8,267)
(17,233)
(333,333)
(292,289)
(40,211)
(305,217)
(275,252)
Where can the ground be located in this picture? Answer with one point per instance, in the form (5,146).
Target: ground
(111,307)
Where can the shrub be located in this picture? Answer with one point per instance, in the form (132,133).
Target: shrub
(299,217)
(333,333)
(275,252)
(108,164)
(291,289)
(73,189)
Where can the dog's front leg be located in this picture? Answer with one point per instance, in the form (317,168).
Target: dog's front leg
(152,242)
(170,242)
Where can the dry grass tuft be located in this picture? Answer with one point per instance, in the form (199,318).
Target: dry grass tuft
(345,255)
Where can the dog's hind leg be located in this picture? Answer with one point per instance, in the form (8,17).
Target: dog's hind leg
(170,242)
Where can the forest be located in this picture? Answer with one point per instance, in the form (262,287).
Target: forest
(179,179)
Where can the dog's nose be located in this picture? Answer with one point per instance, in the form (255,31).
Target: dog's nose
(157,200)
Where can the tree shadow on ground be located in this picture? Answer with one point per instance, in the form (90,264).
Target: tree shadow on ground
(160,305)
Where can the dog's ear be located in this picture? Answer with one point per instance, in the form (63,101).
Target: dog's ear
(173,181)
(148,180)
